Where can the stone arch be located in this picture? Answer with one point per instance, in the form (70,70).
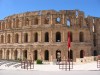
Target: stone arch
(82,53)
(93,28)
(16,38)
(9,24)
(3,25)
(76,14)
(46,21)
(25,55)
(15,54)
(27,21)
(2,38)
(81,37)
(1,54)
(25,37)
(58,37)
(95,53)
(58,20)
(36,37)
(9,38)
(58,55)
(7,54)
(35,55)
(70,55)
(80,21)
(17,23)
(14,22)
(46,37)
(68,22)
(36,21)
(46,55)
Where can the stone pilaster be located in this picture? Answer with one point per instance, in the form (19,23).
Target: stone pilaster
(10,54)
(51,38)
(3,53)
(39,54)
(63,19)
(51,20)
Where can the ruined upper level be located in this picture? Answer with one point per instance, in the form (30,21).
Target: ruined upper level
(70,18)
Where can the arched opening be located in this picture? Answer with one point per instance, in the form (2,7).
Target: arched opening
(95,53)
(93,20)
(93,28)
(15,54)
(16,38)
(70,54)
(35,55)
(9,37)
(25,37)
(0,54)
(14,22)
(58,55)
(3,25)
(17,23)
(27,21)
(76,14)
(46,21)
(35,21)
(7,55)
(2,38)
(68,23)
(58,20)
(9,24)
(46,56)
(36,37)
(46,37)
(58,37)
(81,37)
(82,54)
(25,54)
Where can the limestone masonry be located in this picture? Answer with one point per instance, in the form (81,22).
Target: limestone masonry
(43,35)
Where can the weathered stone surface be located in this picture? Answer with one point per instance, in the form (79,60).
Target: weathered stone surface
(16,28)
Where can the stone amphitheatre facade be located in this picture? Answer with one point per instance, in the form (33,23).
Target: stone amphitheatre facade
(43,35)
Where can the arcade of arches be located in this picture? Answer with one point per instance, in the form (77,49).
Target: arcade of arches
(44,35)
(47,55)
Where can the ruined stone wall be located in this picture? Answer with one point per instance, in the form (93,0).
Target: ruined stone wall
(50,21)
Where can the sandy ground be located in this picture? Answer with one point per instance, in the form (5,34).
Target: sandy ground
(51,69)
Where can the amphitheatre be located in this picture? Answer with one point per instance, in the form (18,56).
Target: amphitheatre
(43,35)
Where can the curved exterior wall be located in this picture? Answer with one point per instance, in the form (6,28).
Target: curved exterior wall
(22,35)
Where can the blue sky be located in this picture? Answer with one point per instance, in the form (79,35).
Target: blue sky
(10,7)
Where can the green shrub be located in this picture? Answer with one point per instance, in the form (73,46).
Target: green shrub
(18,59)
(39,61)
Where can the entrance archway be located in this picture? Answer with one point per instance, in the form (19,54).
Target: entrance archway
(35,55)
(46,55)
(58,55)
(95,53)
(0,54)
(82,54)
(70,55)
(15,54)
(7,55)
(25,54)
